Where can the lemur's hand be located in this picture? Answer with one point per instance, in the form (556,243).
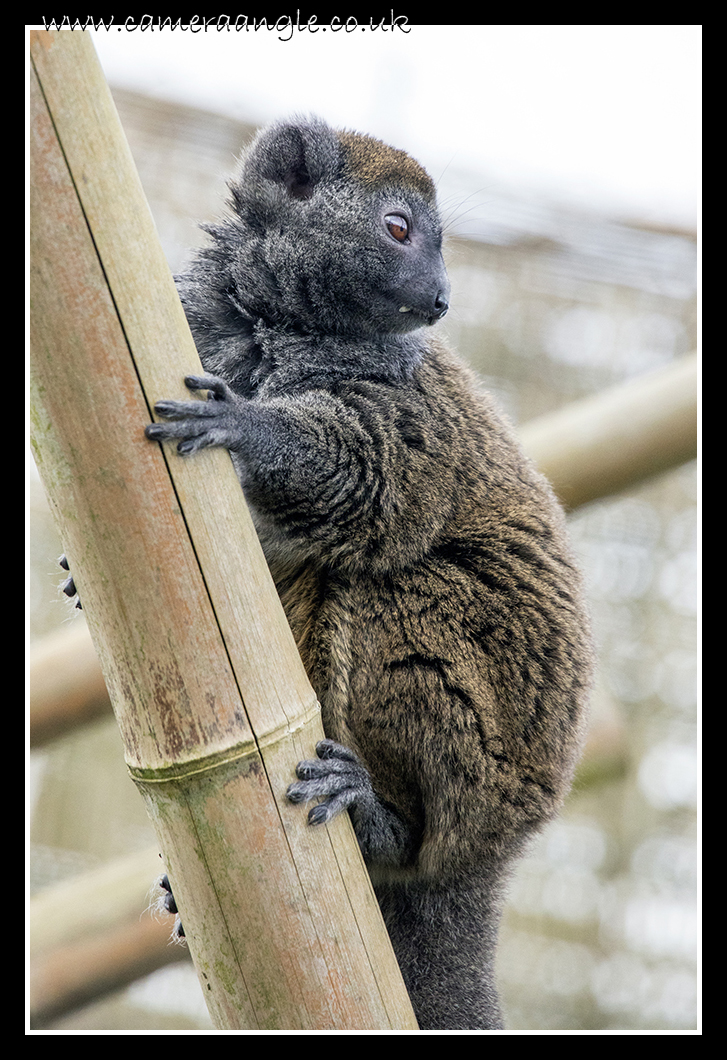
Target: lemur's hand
(336,776)
(342,782)
(199,424)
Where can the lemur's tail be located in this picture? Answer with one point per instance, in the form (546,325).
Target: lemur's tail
(445,940)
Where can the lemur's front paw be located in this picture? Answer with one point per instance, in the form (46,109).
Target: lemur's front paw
(336,776)
(168,904)
(199,424)
(69,586)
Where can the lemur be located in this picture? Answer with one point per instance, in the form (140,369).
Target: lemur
(421,560)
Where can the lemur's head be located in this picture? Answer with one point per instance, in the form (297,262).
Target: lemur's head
(343,228)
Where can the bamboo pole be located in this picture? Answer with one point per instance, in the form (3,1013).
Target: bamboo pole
(211,698)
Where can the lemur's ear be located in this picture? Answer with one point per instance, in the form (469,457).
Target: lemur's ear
(297,179)
(298,154)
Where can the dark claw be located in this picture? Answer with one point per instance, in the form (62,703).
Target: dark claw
(331,749)
(319,814)
(171,906)
(69,586)
(217,388)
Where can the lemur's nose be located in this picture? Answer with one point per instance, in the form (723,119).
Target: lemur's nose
(441,305)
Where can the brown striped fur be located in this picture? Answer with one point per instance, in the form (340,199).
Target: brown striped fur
(422,561)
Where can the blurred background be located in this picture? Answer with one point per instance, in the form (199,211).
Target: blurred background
(567,160)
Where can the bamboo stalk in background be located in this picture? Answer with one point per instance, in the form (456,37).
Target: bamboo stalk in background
(613,440)
(67,689)
(88,937)
(211,698)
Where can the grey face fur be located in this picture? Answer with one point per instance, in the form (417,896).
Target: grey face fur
(421,560)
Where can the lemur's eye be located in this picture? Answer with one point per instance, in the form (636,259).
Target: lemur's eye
(398,226)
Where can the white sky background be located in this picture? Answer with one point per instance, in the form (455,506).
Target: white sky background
(607,117)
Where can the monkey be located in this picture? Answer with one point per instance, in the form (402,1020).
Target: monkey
(422,561)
